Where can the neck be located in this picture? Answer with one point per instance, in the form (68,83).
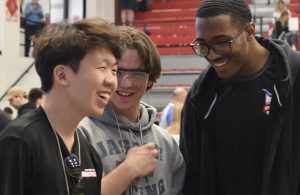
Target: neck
(258,59)
(132,114)
(64,126)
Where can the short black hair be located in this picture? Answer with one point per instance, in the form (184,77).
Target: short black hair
(238,10)
(34,94)
(8,110)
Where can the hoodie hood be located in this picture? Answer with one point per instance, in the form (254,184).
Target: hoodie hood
(112,118)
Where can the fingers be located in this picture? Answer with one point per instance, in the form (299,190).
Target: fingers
(152,148)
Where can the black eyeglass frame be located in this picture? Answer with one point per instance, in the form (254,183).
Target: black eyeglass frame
(132,70)
(211,46)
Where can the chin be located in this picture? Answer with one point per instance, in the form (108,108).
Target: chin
(224,76)
(97,112)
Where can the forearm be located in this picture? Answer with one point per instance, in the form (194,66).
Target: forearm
(118,180)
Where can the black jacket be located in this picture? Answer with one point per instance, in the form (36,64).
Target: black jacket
(31,163)
(281,168)
(4,119)
(26,108)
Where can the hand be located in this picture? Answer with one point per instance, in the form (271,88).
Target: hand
(142,160)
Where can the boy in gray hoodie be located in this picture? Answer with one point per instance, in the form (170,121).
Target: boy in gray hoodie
(138,156)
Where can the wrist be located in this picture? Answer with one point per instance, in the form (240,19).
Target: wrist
(129,170)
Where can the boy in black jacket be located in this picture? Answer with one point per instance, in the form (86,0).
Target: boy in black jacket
(41,152)
(240,122)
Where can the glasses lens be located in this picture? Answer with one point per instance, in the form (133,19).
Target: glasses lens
(221,48)
(200,49)
(135,76)
(139,76)
(73,166)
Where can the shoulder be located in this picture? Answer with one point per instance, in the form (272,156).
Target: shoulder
(26,127)
(162,136)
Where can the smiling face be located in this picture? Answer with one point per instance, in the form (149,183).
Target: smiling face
(90,89)
(220,29)
(131,85)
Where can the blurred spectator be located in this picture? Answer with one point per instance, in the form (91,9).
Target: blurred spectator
(279,8)
(281,30)
(33,14)
(17,98)
(36,96)
(174,128)
(127,11)
(4,119)
(298,9)
(179,95)
(9,111)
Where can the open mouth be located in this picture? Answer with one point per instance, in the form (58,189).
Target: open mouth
(220,64)
(104,96)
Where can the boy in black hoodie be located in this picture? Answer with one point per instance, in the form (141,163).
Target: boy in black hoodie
(240,122)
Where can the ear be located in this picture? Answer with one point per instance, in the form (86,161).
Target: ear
(250,29)
(59,75)
(149,84)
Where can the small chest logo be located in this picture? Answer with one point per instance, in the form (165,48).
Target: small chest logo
(267,104)
(89,173)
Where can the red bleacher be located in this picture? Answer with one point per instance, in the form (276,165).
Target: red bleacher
(170,25)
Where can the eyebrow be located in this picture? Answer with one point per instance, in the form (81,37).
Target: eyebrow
(133,70)
(107,61)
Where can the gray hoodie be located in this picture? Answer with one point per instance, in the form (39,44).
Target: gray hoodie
(105,135)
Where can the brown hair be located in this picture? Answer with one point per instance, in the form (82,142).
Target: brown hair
(67,44)
(133,38)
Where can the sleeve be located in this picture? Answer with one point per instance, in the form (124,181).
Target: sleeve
(4,120)
(15,166)
(41,15)
(169,115)
(26,10)
(87,130)
(190,146)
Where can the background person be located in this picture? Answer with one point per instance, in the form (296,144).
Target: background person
(127,11)
(240,122)
(282,31)
(36,96)
(174,128)
(18,99)
(179,95)
(33,14)
(279,8)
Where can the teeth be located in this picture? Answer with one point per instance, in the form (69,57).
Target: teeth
(104,95)
(220,64)
(124,93)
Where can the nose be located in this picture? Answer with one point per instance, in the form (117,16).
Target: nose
(212,55)
(110,79)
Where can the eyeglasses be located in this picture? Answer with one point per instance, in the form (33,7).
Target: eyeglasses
(73,170)
(220,48)
(135,75)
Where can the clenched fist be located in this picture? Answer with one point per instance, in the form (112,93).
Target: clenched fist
(142,160)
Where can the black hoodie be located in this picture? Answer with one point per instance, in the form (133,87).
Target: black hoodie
(281,166)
